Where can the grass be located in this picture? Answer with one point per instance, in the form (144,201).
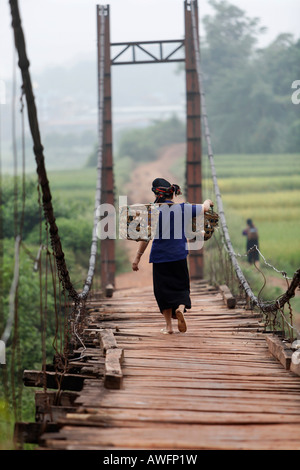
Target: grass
(79,185)
(255,166)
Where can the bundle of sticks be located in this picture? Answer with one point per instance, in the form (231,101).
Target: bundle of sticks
(138,222)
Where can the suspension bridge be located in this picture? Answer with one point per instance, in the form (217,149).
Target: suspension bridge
(230,382)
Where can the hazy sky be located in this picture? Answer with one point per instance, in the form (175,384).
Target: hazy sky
(63,31)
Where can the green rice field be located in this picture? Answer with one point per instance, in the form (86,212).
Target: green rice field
(267,190)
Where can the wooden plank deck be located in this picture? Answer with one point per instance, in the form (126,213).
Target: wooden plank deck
(214,387)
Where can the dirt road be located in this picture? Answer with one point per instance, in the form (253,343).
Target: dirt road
(138,191)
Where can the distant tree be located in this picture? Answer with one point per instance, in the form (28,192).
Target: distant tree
(230,37)
(279,66)
(144,144)
(92,158)
(248,91)
(32,213)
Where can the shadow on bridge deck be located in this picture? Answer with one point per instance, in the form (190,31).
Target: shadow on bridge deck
(214,387)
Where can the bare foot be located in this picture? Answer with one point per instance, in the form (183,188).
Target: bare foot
(164,331)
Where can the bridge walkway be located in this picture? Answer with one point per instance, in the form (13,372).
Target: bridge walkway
(214,387)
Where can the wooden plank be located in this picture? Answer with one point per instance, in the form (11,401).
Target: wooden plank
(278,350)
(33,378)
(220,437)
(135,417)
(113,376)
(229,299)
(228,404)
(107,339)
(97,396)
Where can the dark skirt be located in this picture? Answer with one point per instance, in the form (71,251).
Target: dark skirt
(171,285)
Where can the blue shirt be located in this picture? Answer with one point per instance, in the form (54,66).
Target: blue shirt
(170,243)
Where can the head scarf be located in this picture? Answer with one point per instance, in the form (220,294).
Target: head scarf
(163,189)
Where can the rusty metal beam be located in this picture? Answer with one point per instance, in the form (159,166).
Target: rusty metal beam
(107,246)
(149,57)
(193,133)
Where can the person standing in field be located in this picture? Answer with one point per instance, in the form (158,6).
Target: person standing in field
(251,233)
(171,283)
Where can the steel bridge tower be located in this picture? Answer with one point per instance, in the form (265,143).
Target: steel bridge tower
(193,121)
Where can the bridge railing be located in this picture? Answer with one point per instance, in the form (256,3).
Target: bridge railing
(78,298)
(267,308)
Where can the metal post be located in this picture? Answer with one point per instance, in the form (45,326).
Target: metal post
(107,246)
(193,133)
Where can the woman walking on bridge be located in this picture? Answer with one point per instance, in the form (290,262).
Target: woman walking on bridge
(171,282)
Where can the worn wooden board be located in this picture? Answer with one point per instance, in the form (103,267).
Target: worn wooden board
(113,375)
(204,436)
(229,299)
(278,350)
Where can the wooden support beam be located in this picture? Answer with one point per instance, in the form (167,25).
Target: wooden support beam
(30,433)
(279,351)
(229,299)
(109,290)
(52,406)
(65,398)
(114,356)
(113,375)
(54,380)
(53,413)
(107,339)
